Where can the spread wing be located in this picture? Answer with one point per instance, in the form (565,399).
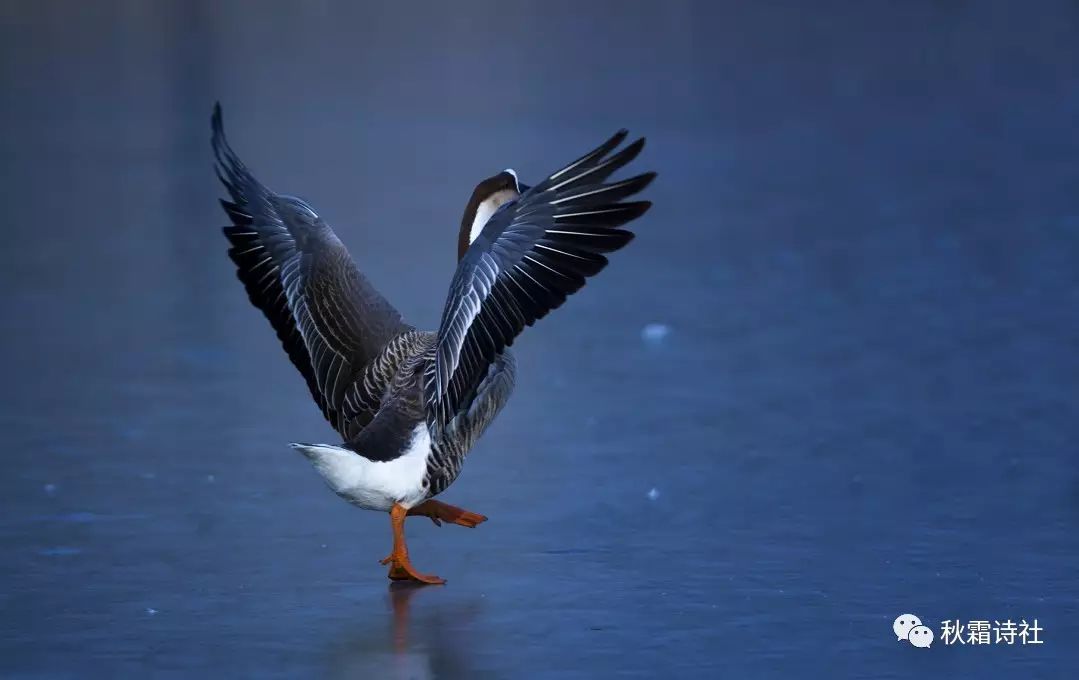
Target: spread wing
(531,255)
(329,318)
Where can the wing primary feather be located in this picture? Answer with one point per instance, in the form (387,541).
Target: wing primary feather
(608,192)
(603,170)
(599,152)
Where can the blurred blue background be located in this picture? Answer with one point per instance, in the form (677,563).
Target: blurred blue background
(857,398)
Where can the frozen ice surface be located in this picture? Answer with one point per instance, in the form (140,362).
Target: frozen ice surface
(852,409)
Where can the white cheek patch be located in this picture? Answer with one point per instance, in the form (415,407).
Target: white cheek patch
(487,208)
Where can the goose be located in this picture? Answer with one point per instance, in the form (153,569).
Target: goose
(410,404)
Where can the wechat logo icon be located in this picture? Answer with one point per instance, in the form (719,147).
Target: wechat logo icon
(909,627)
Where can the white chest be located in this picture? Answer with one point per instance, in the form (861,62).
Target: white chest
(486,209)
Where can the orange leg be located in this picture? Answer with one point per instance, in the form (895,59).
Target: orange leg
(401,568)
(440,512)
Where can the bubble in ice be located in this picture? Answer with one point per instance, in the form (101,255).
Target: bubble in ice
(655,333)
(59,551)
(653,493)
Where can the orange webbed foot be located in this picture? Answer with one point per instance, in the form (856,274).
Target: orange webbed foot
(401,569)
(440,512)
